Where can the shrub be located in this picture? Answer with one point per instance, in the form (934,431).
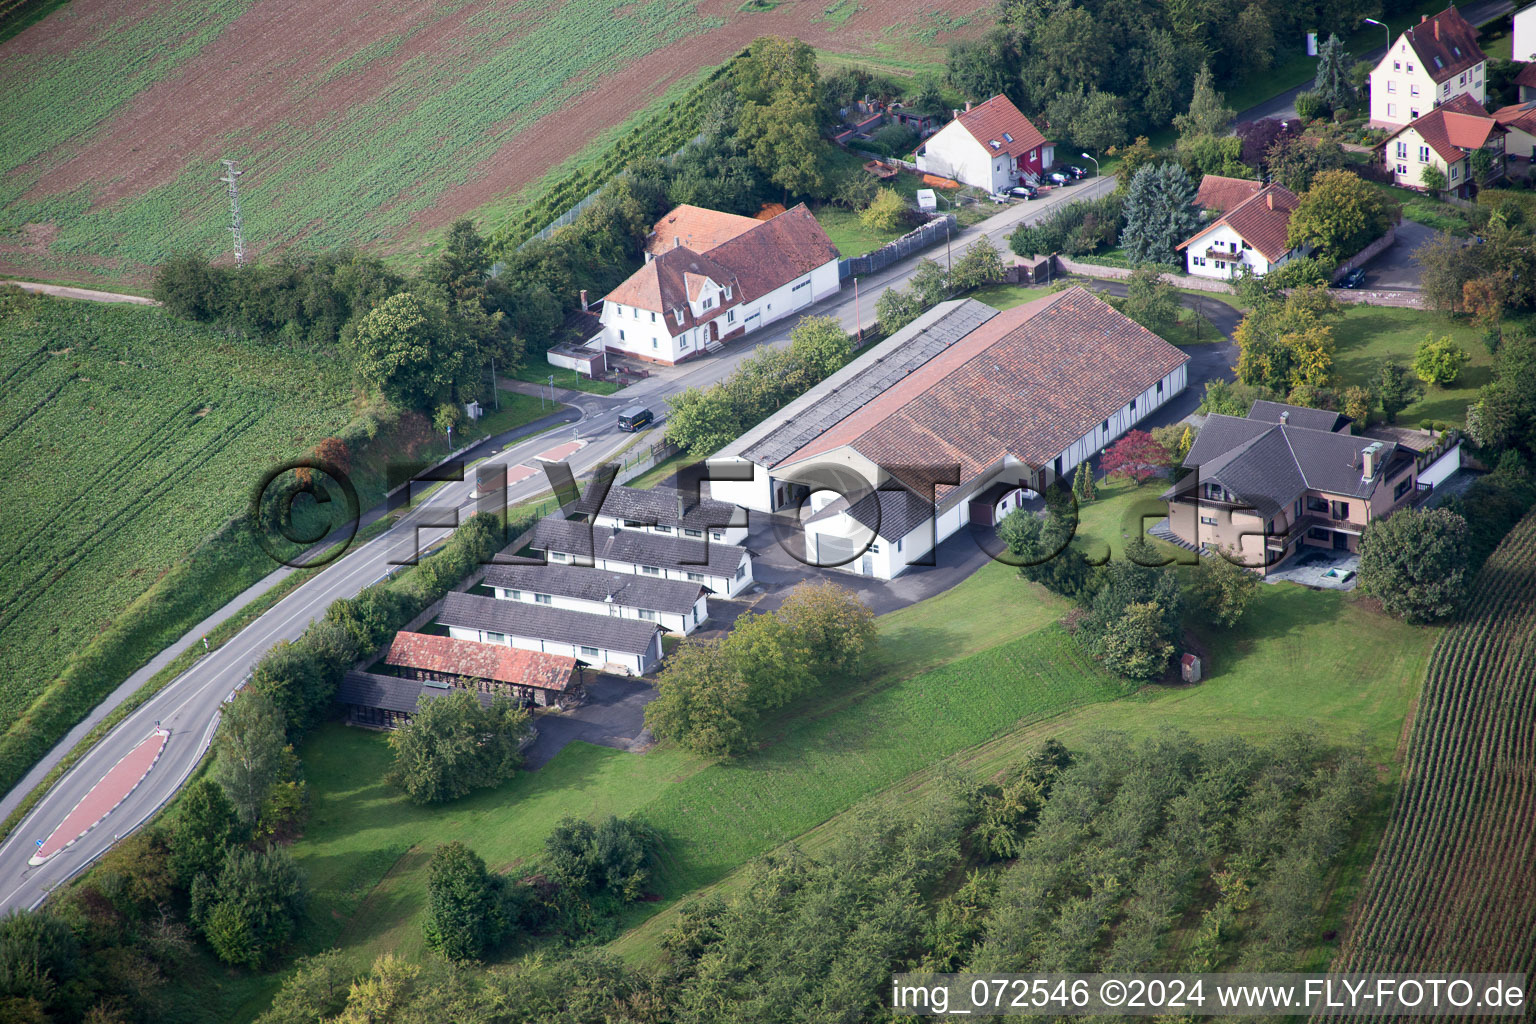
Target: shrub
(1310,105)
(1415,563)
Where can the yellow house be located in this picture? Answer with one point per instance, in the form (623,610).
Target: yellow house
(1429,64)
(1445,139)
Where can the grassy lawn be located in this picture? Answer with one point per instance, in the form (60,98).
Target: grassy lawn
(540,372)
(516,411)
(1191,328)
(1321,661)
(1369,334)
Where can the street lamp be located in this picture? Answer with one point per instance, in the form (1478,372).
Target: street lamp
(1095,164)
(1385,29)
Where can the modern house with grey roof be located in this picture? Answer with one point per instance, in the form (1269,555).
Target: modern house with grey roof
(725,569)
(612,644)
(892,452)
(660,510)
(1283,479)
(679,606)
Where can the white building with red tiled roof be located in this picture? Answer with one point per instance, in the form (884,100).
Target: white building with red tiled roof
(1445,139)
(710,277)
(946,423)
(1251,234)
(1430,63)
(990,145)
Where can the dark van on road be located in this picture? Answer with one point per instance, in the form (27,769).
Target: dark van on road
(634,418)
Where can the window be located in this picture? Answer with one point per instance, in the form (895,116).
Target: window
(1246,245)
(517,595)
(1233,246)
(1455,170)
(557,556)
(1413,90)
(707,304)
(663,529)
(803,284)
(1221,265)
(647,614)
(650,570)
(1208,520)
(898,544)
(1402,150)
(1317,533)
(1410,67)
(1423,154)
(1104,426)
(1397,65)
(695,577)
(1315,504)
(693,533)
(682,342)
(1413,113)
(1159,387)
(635,524)
(730,316)
(716,535)
(1402,169)
(495,638)
(542,599)
(1391,109)
(741,572)
(621,334)
(635,312)
(1391,86)
(874,549)
(1198,261)
(653,318)
(1402,488)
(654,342)
(588,652)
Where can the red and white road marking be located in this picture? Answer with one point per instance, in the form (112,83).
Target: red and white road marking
(115,786)
(516,474)
(561,452)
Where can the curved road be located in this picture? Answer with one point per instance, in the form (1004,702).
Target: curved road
(188,707)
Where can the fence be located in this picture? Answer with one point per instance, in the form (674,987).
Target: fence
(1367,254)
(898,250)
(645,458)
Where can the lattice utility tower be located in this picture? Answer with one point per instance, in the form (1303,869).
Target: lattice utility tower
(232,178)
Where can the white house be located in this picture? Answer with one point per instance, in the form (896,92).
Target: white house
(990,145)
(724,568)
(949,422)
(683,301)
(660,510)
(1251,234)
(1428,64)
(678,606)
(1445,139)
(1523,43)
(626,646)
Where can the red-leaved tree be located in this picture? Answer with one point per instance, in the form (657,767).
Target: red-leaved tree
(1136,456)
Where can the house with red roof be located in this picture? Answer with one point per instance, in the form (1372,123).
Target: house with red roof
(990,145)
(1519,120)
(1445,139)
(1251,235)
(1430,63)
(710,277)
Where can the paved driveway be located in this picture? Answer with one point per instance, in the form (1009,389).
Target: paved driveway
(613,716)
(1395,267)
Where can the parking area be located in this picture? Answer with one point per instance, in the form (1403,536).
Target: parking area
(613,716)
(1395,268)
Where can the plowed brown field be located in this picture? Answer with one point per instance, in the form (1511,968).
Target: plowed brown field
(358,122)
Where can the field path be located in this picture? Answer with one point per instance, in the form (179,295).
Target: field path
(88,294)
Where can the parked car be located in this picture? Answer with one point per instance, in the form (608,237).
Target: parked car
(998,197)
(1060,178)
(1075,171)
(1354,279)
(1024,192)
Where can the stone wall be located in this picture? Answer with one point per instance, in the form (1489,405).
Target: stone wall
(1367,254)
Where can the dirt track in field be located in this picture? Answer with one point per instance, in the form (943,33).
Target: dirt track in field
(266,74)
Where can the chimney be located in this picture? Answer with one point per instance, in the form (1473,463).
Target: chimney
(1270,199)
(1437,29)
(1285,417)
(677,241)
(956,112)
(681,507)
(1368,460)
(967,106)
(583,300)
(1423,18)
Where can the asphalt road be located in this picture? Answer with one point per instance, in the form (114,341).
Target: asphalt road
(189,706)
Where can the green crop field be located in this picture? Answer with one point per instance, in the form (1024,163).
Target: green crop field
(1460,851)
(134,438)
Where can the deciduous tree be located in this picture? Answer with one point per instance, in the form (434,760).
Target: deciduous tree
(980,264)
(1415,563)
(885,212)
(465,916)
(407,349)
(251,909)
(1136,457)
(1396,388)
(833,630)
(1208,114)
(1221,590)
(454,745)
(250,752)
(1339,215)
(1439,360)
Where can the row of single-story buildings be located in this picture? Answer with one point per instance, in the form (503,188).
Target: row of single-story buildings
(616,572)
